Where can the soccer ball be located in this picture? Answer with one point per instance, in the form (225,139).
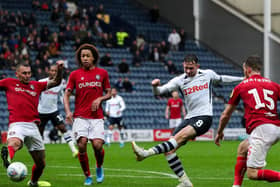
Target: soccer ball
(17,171)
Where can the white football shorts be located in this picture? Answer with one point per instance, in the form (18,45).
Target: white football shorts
(261,139)
(89,128)
(28,133)
(173,123)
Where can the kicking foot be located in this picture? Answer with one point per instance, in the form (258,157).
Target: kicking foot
(4,156)
(139,151)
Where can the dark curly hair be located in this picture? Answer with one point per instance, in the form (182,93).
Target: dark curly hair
(90,47)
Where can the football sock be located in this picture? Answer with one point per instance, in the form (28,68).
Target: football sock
(109,136)
(165,146)
(11,152)
(36,173)
(240,169)
(121,136)
(175,164)
(67,137)
(268,175)
(99,156)
(83,158)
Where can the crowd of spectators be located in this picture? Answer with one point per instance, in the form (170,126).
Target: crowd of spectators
(21,35)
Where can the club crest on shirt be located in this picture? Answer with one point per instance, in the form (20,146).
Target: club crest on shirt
(97,77)
(17,84)
(82,78)
(32,87)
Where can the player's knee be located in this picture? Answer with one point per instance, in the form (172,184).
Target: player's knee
(15,143)
(243,149)
(252,174)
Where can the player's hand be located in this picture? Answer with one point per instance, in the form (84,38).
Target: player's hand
(218,138)
(95,104)
(156,82)
(69,118)
(60,63)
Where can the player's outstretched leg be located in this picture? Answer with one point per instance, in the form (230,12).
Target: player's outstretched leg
(5,156)
(164,147)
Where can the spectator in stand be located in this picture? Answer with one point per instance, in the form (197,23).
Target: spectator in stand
(97,30)
(123,66)
(183,36)
(137,59)
(140,41)
(77,43)
(107,41)
(106,60)
(91,15)
(164,48)
(155,55)
(45,6)
(121,37)
(88,38)
(119,85)
(174,40)
(127,85)
(55,15)
(54,49)
(61,38)
(35,4)
(45,33)
(171,68)
(154,14)
(133,47)
(68,33)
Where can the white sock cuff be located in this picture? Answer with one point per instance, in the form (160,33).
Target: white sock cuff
(170,156)
(173,141)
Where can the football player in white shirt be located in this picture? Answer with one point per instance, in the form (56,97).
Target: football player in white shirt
(196,86)
(48,109)
(114,110)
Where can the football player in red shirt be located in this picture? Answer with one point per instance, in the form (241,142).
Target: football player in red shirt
(23,98)
(173,110)
(260,97)
(90,82)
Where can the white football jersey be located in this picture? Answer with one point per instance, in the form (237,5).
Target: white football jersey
(197,90)
(115,106)
(49,98)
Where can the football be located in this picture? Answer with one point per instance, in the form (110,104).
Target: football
(17,171)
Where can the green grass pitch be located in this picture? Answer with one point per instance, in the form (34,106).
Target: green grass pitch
(205,163)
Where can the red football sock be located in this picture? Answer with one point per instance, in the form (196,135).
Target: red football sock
(11,152)
(99,156)
(240,169)
(36,172)
(83,158)
(268,175)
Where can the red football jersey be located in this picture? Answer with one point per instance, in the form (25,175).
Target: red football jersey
(260,97)
(22,99)
(89,85)
(175,106)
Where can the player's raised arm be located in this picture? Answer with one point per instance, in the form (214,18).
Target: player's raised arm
(58,77)
(158,90)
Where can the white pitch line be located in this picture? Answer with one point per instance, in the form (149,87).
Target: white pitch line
(163,174)
(125,170)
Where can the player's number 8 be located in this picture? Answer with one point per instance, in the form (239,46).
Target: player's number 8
(199,123)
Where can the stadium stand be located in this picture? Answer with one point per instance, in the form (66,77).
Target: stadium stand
(143,111)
